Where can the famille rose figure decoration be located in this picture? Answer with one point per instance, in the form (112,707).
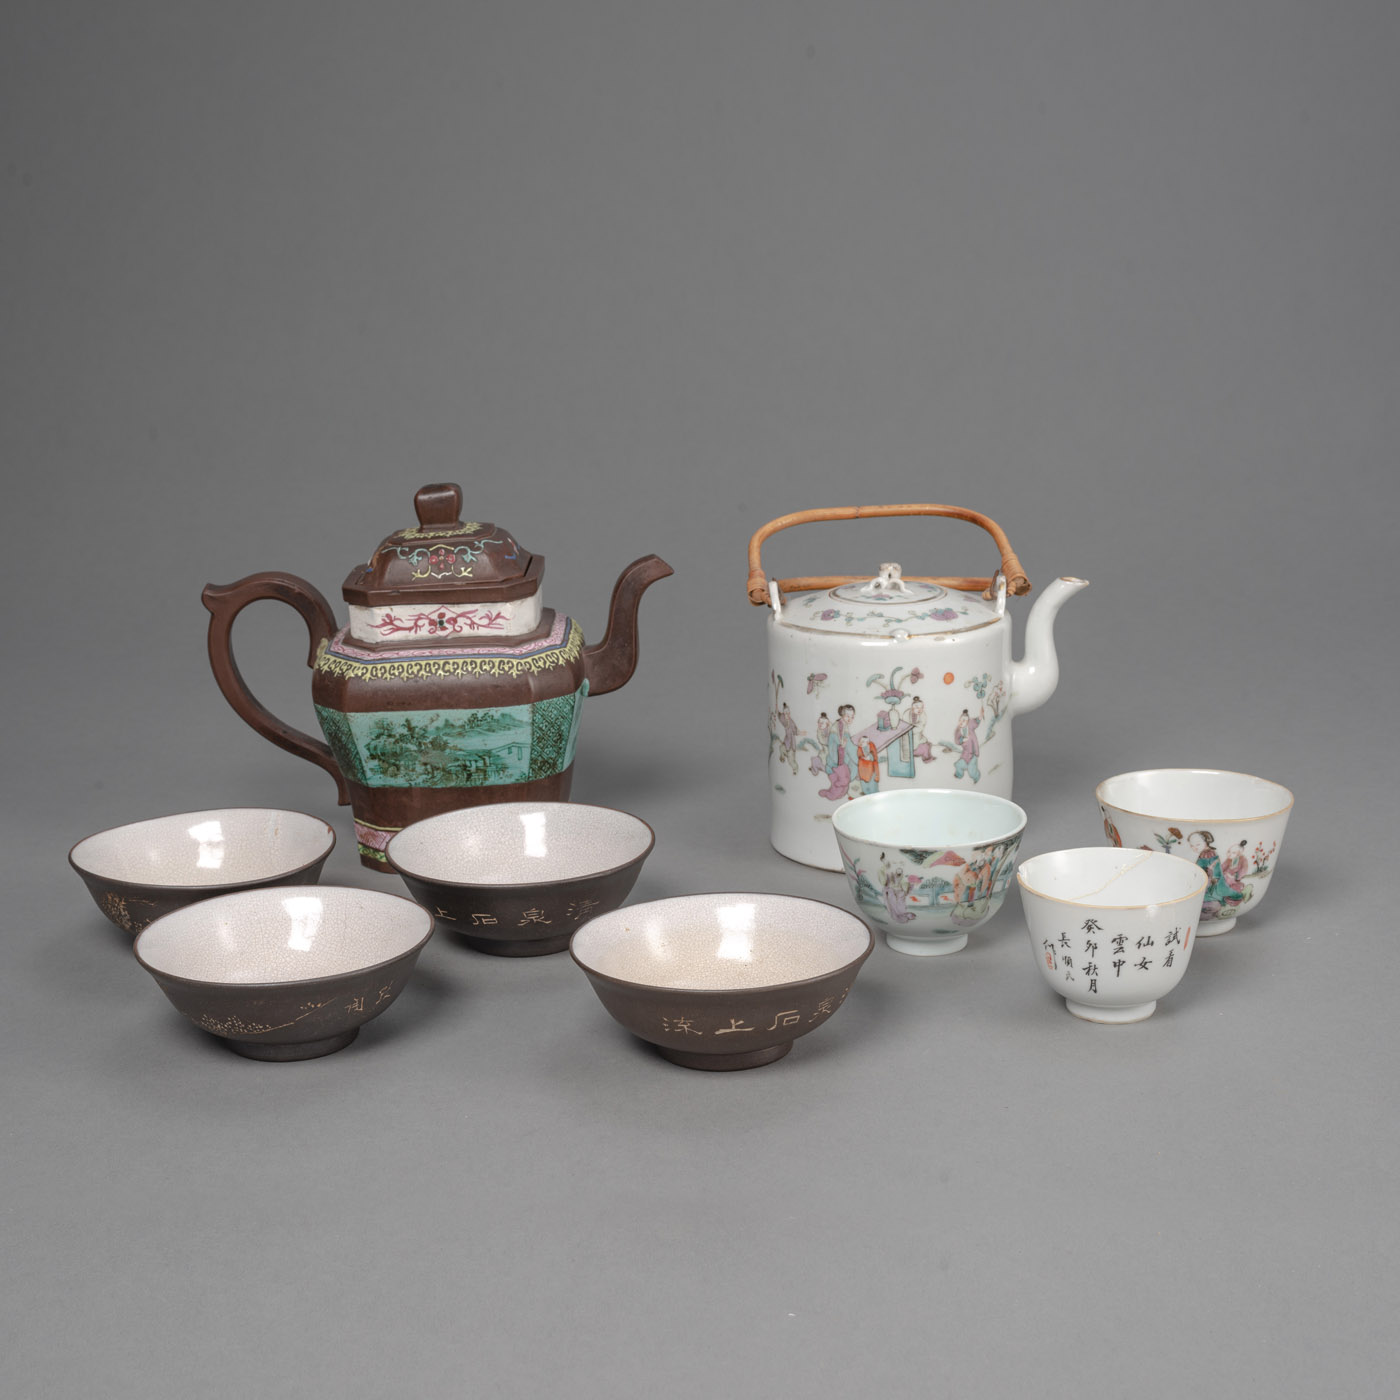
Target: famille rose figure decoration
(877,684)
(1229,825)
(452,685)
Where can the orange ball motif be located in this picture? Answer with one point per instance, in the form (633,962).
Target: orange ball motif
(947,678)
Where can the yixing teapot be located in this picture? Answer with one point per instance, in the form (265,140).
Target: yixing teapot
(452,684)
(893,682)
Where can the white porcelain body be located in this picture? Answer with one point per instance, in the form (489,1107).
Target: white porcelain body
(929,865)
(1231,825)
(1112,931)
(501,618)
(871,695)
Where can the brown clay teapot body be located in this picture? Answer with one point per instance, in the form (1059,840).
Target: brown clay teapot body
(451,685)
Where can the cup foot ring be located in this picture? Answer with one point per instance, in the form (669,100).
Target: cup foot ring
(1110,1015)
(928,947)
(1210,927)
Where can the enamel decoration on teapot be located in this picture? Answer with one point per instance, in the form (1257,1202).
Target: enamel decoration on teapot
(452,685)
(893,682)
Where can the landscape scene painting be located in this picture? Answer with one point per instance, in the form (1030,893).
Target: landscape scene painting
(432,748)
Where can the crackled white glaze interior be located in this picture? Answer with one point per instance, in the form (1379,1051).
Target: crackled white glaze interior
(1104,877)
(519,843)
(721,942)
(223,846)
(929,817)
(283,934)
(1195,795)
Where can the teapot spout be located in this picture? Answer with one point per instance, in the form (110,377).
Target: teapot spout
(610,663)
(1035,676)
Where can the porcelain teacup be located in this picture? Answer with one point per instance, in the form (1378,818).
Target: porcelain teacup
(1229,824)
(929,865)
(1112,931)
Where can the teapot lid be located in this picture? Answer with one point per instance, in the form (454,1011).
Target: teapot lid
(889,605)
(445,559)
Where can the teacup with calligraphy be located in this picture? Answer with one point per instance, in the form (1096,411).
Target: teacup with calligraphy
(517,878)
(723,981)
(1112,930)
(929,865)
(286,973)
(1231,825)
(138,872)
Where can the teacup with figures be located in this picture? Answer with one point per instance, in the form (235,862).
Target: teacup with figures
(929,865)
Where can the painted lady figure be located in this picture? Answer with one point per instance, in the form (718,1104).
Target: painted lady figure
(841,757)
(896,888)
(1222,896)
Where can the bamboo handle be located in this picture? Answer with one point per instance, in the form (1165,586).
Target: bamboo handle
(1015,575)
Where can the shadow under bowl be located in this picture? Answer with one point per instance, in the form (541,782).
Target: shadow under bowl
(723,981)
(515,879)
(142,871)
(281,974)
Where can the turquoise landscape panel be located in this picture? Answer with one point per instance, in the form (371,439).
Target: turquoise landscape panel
(454,748)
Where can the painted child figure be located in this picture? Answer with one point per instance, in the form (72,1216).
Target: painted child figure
(868,765)
(1234,866)
(820,759)
(787,751)
(917,737)
(965,737)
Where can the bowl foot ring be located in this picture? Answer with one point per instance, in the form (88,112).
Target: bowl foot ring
(301,1050)
(1110,1015)
(516,947)
(747,1059)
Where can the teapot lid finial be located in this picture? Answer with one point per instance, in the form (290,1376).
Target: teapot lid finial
(439,504)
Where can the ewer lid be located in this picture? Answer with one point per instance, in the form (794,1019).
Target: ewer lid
(445,559)
(890,605)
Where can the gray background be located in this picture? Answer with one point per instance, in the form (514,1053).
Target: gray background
(642,276)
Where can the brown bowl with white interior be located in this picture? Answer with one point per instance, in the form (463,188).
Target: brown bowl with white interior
(140,872)
(517,878)
(723,981)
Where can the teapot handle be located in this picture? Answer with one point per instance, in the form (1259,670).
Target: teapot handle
(1011,570)
(225,601)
